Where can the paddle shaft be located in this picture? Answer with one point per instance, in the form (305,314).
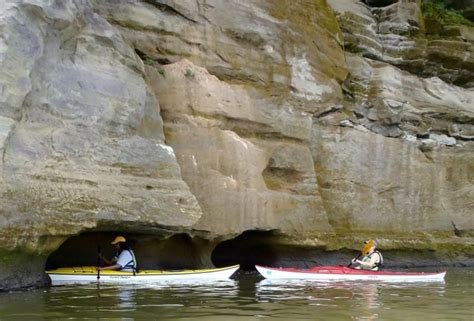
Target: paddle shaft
(358,256)
(98,262)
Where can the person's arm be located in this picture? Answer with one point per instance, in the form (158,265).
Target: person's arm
(107,261)
(111,267)
(373,260)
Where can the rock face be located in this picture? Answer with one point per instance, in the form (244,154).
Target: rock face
(321,123)
(398,35)
(249,160)
(82,135)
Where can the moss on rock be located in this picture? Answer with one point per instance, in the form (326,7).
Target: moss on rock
(21,270)
(436,15)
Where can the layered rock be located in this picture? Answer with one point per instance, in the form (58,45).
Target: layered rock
(398,104)
(264,45)
(396,34)
(237,159)
(255,116)
(199,121)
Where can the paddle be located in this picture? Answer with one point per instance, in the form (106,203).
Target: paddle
(98,262)
(357,257)
(365,250)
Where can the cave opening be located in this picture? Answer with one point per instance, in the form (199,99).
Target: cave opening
(270,248)
(184,251)
(180,251)
(247,249)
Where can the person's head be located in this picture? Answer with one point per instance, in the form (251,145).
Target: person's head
(119,242)
(369,246)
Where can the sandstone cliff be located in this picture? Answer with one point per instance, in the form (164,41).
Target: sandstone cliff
(301,127)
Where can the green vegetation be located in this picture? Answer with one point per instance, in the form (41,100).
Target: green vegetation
(438,12)
(189,73)
(162,72)
(148,61)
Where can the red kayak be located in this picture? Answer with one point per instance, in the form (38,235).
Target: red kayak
(342,273)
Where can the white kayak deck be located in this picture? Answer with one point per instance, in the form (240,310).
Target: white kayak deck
(89,274)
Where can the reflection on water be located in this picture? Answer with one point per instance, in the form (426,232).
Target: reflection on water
(249,298)
(140,301)
(354,300)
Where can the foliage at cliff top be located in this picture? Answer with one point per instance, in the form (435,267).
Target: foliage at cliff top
(437,10)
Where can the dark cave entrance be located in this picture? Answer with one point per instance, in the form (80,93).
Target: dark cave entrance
(182,251)
(269,248)
(179,251)
(247,249)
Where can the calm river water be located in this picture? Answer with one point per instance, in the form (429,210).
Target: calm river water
(250,298)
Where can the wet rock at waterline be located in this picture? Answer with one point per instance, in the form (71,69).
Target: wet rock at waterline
(185,124)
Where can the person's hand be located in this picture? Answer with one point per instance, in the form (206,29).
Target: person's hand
(98,268)
(354,260)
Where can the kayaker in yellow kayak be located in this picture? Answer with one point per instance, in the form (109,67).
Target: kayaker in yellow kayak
(371,258)
(124,260)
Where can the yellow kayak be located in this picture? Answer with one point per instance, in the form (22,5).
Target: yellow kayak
(88,274)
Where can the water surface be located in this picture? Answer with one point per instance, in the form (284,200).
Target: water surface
(250,298)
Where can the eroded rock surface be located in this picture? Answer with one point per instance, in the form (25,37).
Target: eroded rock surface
(320,123)
(82,137)
(238,159)
(398,35)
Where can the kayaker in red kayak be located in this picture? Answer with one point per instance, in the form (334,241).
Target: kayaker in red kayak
(371,258)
